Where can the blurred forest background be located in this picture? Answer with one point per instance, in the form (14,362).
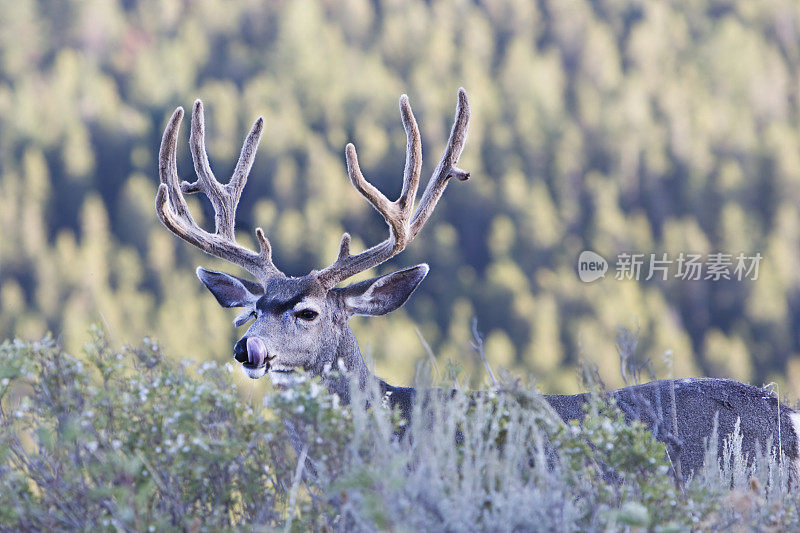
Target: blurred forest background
(609,125)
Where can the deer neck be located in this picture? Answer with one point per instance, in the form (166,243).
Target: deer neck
(348,355)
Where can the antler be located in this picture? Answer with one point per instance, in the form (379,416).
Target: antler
(403,226)
(174,213)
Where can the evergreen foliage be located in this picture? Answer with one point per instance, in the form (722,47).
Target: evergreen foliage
(606,125)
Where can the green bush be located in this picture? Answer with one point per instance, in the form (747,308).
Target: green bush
(131,440)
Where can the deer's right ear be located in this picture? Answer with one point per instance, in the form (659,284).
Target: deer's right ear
(230,291)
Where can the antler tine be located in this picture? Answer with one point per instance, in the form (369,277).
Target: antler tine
(246,159)
(206,181)
(174,212)
(168,166)
(446,168)
(403,226)
(386,208)
(413,158)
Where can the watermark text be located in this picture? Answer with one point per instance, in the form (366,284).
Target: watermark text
(715,266)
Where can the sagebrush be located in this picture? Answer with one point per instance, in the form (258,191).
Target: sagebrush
(131,440)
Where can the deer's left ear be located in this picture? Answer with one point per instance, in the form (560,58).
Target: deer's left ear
(381,295)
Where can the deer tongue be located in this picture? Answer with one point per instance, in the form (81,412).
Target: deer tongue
(256,351)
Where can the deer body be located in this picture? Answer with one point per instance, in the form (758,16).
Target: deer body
(700,403)
(301,322)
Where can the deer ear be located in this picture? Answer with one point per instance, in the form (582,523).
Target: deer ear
(381,295)
(230,291)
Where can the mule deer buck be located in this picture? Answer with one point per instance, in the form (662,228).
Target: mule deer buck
(301,322)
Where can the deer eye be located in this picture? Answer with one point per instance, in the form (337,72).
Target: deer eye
(307,314)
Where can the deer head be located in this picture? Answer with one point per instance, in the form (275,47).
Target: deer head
(301,322)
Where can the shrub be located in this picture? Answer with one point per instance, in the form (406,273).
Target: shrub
(131,440)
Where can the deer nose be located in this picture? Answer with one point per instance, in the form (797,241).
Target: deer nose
(240,350)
